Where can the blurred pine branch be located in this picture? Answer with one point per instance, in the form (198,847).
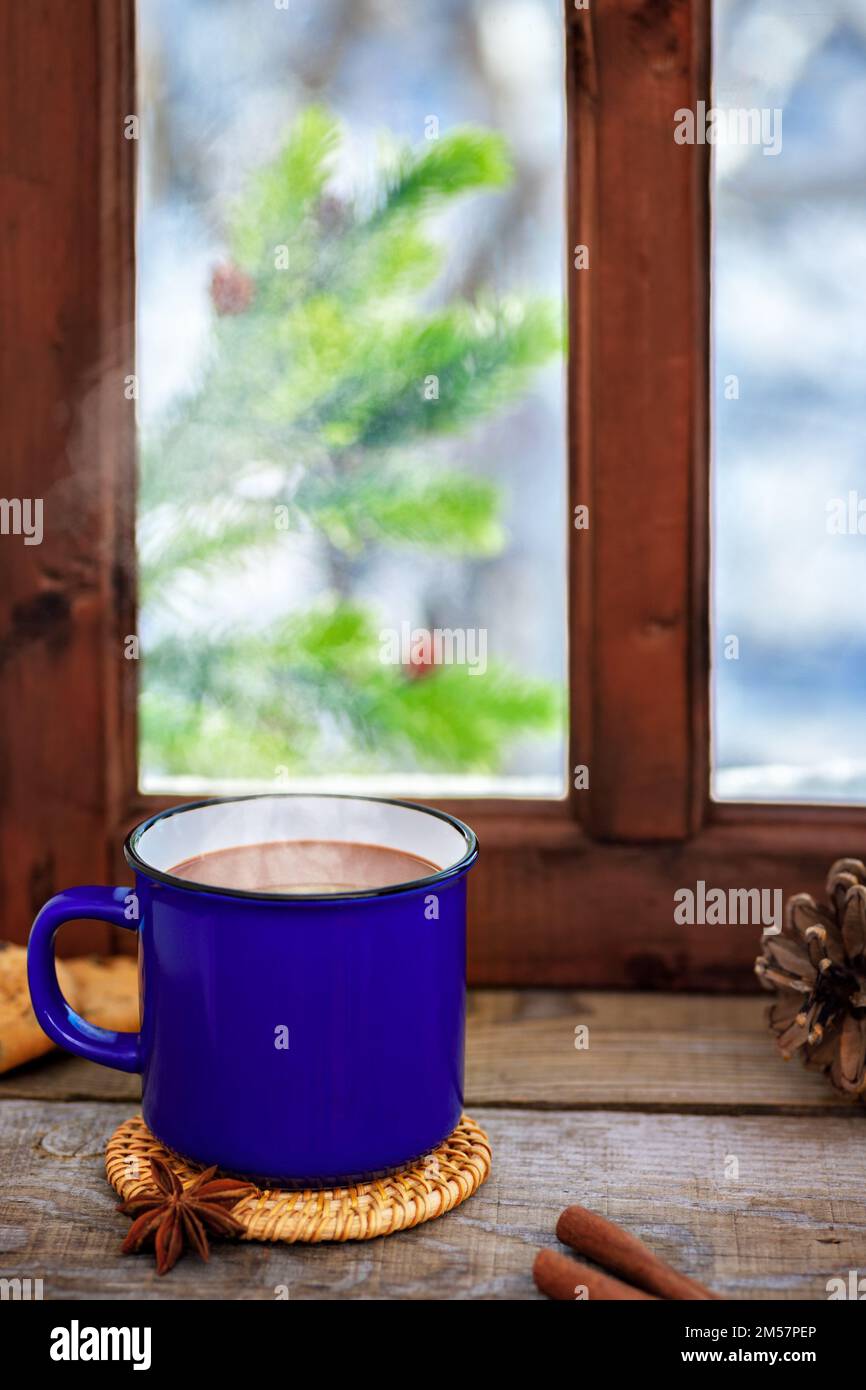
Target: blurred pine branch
(312,415)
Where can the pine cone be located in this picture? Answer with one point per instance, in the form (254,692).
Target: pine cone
(231,289)
(817,964)
(332,214)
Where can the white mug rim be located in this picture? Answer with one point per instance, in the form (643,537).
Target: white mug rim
(140,865)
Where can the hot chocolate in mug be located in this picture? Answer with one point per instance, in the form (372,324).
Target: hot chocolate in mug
(308,1032)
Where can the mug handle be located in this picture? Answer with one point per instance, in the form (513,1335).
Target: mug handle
(54,1013)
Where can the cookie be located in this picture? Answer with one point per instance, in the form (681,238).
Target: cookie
(107,989)
(21,1038)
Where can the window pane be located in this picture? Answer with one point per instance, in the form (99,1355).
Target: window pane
(351,406)
(789,294)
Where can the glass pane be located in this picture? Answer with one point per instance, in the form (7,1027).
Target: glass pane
(789,287)
(351,402)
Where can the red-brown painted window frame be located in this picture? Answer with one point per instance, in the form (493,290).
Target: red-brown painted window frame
(577,892)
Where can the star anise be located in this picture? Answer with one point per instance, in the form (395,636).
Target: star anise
(817,965)
(175,1216)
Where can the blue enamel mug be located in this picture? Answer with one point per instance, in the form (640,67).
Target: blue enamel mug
(293,1037)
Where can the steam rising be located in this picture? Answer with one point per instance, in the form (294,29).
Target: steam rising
(302,843)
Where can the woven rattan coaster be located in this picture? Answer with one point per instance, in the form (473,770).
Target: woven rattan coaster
(441,1180)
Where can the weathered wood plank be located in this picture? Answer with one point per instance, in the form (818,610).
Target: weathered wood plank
(646,1052)
(59,1077)
(795,1216)
(645,1013)
(703,1054)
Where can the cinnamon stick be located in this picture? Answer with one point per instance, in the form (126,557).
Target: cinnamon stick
(560,1277)
(618,1250)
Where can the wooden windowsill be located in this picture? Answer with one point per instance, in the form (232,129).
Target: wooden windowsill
(642,1126)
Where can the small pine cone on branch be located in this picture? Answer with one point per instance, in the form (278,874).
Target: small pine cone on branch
(231,290)
(817,966)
